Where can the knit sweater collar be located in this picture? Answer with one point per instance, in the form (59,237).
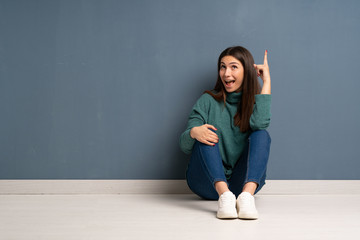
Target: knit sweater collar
(233,97)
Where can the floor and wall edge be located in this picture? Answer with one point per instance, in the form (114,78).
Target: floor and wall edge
(272,187)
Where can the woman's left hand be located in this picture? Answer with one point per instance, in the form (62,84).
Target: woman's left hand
(263,71)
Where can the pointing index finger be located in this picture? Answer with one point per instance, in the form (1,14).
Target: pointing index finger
(265,58)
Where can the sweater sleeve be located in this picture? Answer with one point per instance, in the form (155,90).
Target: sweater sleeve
(197,117)
(260,118)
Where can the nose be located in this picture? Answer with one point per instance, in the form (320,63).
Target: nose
(227,72)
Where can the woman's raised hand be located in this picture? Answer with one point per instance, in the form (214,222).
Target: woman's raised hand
(263,71)
(204,134)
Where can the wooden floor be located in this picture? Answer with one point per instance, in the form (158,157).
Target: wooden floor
(175,216)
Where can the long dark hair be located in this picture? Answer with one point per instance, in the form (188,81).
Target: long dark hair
(250,86)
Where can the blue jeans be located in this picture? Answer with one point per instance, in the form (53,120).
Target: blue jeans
(206,168)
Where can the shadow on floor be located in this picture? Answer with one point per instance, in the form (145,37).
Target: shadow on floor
(192,202)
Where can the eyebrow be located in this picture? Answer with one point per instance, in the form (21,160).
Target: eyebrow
(231,63)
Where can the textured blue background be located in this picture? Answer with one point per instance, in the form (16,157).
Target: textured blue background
(102,89)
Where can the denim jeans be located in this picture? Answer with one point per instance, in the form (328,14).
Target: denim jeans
(206,167)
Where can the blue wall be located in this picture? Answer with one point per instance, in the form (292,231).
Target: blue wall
(102,89)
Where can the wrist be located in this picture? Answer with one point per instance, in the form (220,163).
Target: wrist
(266,88)
(192,132)
(267,81)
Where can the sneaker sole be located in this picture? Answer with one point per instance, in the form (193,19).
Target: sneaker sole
(252,216)
(227,215)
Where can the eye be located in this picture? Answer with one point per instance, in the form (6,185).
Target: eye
(222,66)
(234,66)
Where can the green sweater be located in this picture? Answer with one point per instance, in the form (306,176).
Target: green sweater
(231,141)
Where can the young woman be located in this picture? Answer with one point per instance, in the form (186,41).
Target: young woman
(226,135)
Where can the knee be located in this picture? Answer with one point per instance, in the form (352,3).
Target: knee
(203,146)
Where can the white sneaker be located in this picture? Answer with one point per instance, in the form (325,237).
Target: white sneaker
(227,206)
(246,206)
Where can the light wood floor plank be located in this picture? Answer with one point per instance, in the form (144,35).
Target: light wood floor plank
(175,216)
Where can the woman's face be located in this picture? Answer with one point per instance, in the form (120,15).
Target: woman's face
(231,73)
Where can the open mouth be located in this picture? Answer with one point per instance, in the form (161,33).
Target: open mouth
(229,83)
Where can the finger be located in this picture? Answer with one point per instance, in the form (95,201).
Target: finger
(208,143)
(211,126)
(214,136)
(258,71)
(265,58)
(211,133)
(212,139)
(260,68)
